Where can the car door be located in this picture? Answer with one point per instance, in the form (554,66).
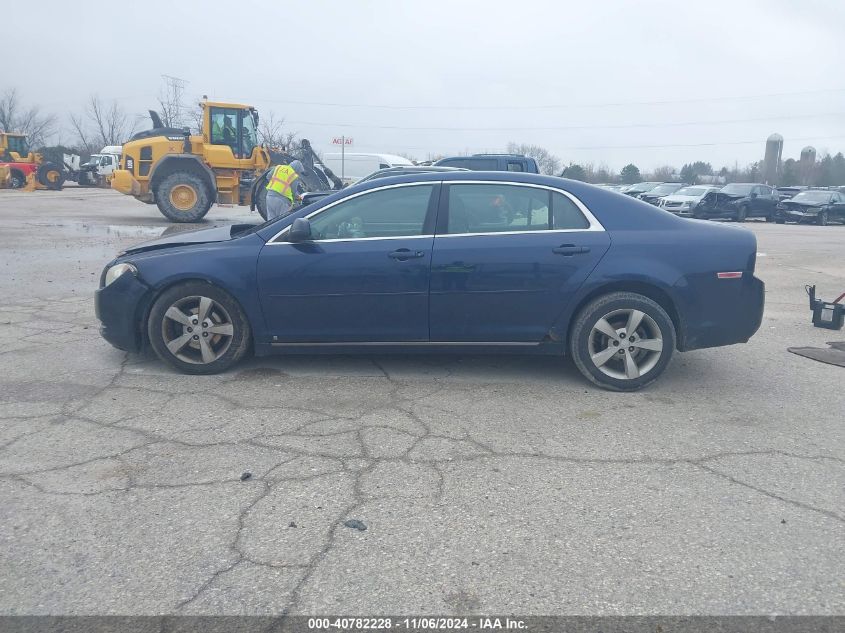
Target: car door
(770,197)
(837,206)
(364,275)
(507,259)
(756,201)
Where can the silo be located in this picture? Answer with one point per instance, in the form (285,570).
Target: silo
(771,161)
(806,164)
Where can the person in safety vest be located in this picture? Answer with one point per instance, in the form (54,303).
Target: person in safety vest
(283,187)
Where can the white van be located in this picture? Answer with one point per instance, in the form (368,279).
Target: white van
(356,165)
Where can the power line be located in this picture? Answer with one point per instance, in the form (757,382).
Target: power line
(560,106)
(604,147)
(564,127)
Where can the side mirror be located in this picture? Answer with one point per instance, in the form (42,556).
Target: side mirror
(300,230)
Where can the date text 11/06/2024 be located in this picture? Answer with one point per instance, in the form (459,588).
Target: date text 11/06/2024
(411,624)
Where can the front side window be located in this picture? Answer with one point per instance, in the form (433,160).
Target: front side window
(249,138)
(497,208)
(395,212)
(18,144)
(224,127)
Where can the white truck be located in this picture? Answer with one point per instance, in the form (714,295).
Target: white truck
(352,166)
(97,170)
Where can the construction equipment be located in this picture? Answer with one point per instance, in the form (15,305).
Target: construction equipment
(27,169)
(98,169)
(185,174)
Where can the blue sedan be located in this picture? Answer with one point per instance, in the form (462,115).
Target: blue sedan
(444,262)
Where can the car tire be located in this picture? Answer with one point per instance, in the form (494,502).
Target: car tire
(780,221)
(183,197)
(603,359)
(190,344)
(821,218)
(741,213)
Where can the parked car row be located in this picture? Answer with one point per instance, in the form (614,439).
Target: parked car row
(739,201)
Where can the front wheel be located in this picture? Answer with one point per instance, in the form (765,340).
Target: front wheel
(741,213)
(622,341)
(51,176)
(198,328)
(183,197)
(821,218)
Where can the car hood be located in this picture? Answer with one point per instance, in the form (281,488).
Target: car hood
(183,238)
(674,198)
(800,203)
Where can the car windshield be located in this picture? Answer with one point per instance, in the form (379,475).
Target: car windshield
(691,191)
(737,190)
(644,186)
(812,196)
(665,189)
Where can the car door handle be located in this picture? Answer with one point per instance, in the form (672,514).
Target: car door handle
(404,253)
(568,250)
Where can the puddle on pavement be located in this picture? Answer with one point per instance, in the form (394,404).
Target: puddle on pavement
(121,230)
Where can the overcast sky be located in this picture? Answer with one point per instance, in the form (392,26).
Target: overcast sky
(650,82)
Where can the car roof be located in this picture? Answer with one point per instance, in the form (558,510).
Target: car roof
(421,168)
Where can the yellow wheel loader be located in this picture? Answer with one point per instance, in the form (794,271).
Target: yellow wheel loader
(185,174)
(27,169)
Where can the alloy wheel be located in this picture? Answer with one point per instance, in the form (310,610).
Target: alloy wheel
(197,330)
(625,344)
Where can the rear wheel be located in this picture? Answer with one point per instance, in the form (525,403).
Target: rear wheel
(198,328)
(18,180)
(183,197)
(821,218)
(622,341)
(51,176)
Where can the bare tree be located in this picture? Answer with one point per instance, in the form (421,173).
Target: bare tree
(14,117)
(102,124)
(546,161)
(663,173)
(271,132)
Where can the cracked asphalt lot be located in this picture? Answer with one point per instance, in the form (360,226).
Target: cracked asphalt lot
(486,484)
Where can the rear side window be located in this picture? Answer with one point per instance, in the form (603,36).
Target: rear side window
(497,209)
(515,166)
(566,214)
(395,212)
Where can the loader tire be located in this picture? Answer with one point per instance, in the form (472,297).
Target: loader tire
(51,176)
(183,197)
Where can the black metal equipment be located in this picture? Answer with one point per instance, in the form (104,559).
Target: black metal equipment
(829,315)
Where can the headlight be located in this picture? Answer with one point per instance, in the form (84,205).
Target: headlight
(686,204)
(116,271)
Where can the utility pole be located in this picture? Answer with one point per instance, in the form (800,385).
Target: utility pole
(171,100)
